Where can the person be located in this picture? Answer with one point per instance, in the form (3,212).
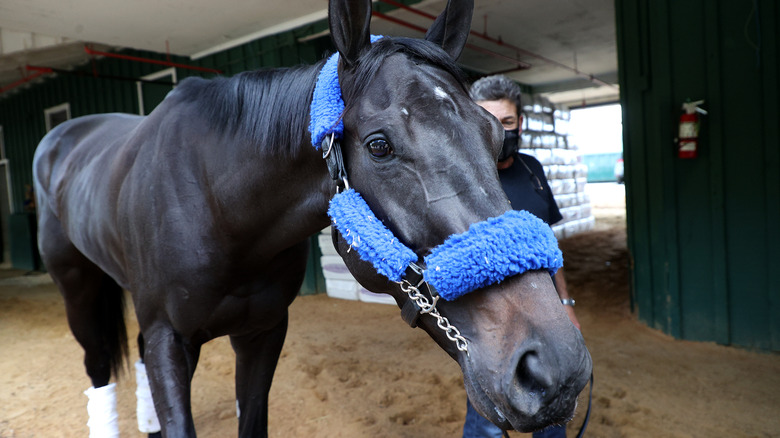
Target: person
(29,199)
(523,179)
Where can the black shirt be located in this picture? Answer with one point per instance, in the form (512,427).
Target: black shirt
(529,190)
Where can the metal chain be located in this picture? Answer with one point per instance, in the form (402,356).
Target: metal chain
(430,308)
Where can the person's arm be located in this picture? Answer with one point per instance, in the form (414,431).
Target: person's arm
(554,216)
(563,293)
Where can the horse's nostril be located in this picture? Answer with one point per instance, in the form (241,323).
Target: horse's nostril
(534,376)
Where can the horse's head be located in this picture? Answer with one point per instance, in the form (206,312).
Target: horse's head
(423,155)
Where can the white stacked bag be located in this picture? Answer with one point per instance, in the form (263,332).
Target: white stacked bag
(339,282)
(545,135)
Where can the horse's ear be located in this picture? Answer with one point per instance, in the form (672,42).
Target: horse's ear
(349,22)
(451,28)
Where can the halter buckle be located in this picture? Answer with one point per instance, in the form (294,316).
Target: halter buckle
(414,275)
(331,153)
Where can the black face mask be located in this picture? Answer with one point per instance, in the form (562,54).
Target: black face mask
(511,138)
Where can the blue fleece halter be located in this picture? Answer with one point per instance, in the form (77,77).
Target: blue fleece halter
(487,253)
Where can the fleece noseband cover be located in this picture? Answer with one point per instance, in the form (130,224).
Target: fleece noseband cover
(487,253)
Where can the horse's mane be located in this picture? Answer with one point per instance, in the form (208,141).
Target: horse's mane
(270,107)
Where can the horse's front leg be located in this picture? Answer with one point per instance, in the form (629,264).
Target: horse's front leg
(256,357)
(170,363)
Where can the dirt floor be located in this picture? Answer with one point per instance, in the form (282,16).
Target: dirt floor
(353,370)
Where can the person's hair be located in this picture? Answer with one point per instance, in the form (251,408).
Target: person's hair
(496,87)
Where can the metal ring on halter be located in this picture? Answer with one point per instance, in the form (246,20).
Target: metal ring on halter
(433,305)
(330,145)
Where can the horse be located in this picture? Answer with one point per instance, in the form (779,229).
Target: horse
(202,211)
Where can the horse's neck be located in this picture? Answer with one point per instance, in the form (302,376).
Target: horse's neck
(277,191)
(248,136)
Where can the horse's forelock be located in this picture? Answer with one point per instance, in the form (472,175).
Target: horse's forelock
(419,50)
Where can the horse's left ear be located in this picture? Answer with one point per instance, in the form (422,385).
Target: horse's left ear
(451,28)
(349,22)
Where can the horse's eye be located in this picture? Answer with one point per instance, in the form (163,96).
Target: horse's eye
(379,148)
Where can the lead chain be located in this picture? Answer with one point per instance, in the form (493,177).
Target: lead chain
(430,308)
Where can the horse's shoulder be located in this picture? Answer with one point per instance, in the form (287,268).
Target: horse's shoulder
(78,134)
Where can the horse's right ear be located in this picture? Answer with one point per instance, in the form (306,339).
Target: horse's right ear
(349,22)
(451,28)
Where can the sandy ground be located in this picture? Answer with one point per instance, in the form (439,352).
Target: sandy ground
(353,370)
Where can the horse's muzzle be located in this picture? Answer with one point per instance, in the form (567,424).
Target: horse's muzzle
(538,389)
(544,389)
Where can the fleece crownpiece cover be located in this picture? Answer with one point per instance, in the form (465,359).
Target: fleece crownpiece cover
(327,103)
(487,253)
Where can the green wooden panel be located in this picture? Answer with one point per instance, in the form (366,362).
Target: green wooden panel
(702,232)
(24,249)
(153,94)
(237,60)
(630,28)
(770,70)
(692,179)
(718,293)
(251,61)
(269,54)
(314,281)
(744,192)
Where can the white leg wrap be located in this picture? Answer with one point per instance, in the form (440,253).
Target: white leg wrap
(144,408)
(101,407)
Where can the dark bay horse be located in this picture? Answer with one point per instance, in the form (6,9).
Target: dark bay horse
(203,209)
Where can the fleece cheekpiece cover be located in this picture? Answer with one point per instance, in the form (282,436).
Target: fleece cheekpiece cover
(364,232)
(327,105)
(487,253)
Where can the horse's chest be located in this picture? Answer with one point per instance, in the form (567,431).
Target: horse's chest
(238,307)
(230,296)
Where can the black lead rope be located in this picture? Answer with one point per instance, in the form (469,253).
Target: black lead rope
(587,413)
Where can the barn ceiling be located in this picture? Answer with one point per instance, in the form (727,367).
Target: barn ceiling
(563,48)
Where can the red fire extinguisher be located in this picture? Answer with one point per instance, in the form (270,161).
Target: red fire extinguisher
(688,137)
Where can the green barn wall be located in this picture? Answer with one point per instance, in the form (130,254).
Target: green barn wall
(703,232)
